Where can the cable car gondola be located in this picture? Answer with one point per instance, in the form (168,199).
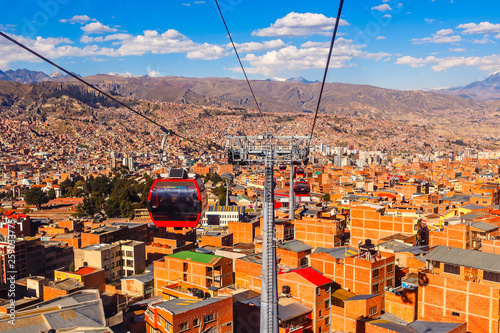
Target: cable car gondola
(300,171)
(302,189)
(287,184)
(282,167)
(178,201)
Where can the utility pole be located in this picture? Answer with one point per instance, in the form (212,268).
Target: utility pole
(291,197)
(268,150)
(227,178)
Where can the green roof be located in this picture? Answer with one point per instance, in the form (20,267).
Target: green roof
(203,258)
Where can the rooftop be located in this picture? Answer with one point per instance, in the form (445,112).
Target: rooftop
(203,258)
(181,305)
(467,258)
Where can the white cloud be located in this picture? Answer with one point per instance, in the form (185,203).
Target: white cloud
(481,28)
(199,2)
(380,37)
(484,40)
(7,27)
(458,49)
(97,28)
(382,8)
(310,55)
(299,24)
(258,47)
(186,4)
(440,37)
(88,39)
(153,73)
(52,48)
(429,20)
(207,52)
(487,63)
(78,19)
(387,16)
(171,41)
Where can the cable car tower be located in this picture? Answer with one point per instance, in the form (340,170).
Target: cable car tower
(268,150)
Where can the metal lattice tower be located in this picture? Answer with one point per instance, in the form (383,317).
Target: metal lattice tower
(268,150)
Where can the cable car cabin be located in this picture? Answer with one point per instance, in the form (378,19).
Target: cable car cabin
(282,167)
(302,189)
(178,201)
(287,184)
(300,171)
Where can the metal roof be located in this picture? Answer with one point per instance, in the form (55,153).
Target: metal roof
(337,252)
(361,297)
(64,312)
(342,294)
(473,206)
(392,327)
(467,258)
(181,305)
(144,278)
(289,309)
(484,226)
(295,246)
(433,327)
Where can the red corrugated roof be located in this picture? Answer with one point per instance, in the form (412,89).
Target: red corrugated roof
(495,212)
(85,270)
(313,276)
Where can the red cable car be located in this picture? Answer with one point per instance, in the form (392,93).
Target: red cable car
(300,171)
(287,184)
(302,189)
(282,167)
(178,201)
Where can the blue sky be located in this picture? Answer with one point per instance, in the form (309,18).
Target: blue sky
(407,44)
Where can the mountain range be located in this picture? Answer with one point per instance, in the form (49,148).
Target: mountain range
(26,76)
(447,112)
(486,89)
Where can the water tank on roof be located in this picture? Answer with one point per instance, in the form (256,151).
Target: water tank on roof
(285,290)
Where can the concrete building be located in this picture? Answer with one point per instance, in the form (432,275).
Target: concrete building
(222,215)
(123,258)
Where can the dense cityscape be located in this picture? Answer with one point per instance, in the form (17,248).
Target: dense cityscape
(159,175)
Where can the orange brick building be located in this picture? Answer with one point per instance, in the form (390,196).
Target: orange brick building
(190,316)
(201,269)
(319,232)
(243,232)
(371,221)
(461,286)
(360,274)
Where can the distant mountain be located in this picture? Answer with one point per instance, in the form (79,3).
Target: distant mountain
(486,89)
(26,76)
(300,79)
(4,76)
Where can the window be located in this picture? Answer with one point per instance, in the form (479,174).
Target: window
(452,269)
(491,276)
(390,268)
(327,288)
(375,289)
(437,264)
(373,311)
(318,291)
(376,273)
(327,304)
(456,314)
(183,327)
(389,283)
(337,302)
(327,321)
(208,318)
(320,314)
(196,322)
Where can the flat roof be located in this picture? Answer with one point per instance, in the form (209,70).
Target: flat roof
(203,258)
(181,305)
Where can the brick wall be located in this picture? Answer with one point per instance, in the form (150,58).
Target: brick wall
(444,298)
(403,305)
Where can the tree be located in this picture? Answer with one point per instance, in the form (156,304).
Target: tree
(26,209)
(72,267)
(35,196)
(326,197)
(51,194)
(220,192)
